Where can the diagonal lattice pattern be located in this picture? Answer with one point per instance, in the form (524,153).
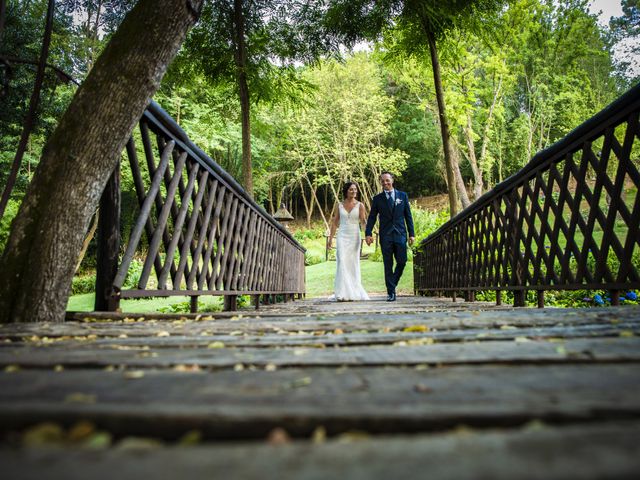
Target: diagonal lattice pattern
(197,232)
(570,219)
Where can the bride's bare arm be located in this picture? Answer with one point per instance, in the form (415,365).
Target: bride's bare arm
(363,216)
(334,225)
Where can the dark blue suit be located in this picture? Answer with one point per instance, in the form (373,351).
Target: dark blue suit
(393,233)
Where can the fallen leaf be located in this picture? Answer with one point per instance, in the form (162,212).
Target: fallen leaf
(133,374)
(11,368)
(278,436)
(80,431)
(301,382)
(163,334)
(416,328)
(216,345)
(42,434)
(78,397)
(138,443)
(319,435)
(627,333)
(192,437)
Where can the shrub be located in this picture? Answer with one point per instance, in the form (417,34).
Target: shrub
(83,284)
(133,274)
(311,259)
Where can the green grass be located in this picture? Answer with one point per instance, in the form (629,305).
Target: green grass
(84,303)
(320,278)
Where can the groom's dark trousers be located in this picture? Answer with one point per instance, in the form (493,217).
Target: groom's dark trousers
(395,219)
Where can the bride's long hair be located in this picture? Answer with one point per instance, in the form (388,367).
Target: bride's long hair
(346,187)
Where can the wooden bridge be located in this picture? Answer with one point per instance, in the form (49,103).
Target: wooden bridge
(315,389)
(434,385)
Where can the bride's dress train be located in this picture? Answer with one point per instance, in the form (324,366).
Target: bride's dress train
(348,285)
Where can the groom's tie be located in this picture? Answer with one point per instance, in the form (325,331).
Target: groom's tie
(390,200)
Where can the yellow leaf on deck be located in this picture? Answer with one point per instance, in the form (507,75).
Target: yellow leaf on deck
(416,328)
(216,345)
(78,397)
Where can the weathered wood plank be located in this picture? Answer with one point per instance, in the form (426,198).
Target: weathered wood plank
(121,335)
(273,319)
(606,450)
(248,404)
(570,351)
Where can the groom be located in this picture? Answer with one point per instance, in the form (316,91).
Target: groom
(392,207)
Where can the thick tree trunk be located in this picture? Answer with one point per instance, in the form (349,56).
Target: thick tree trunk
(444,124)
(46,236)
(243,90)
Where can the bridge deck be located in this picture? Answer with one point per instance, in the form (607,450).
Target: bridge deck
(315,389)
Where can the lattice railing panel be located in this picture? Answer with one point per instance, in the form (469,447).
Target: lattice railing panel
(197,231)
(570,219)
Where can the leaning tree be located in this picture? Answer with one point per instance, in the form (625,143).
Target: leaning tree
(46,236)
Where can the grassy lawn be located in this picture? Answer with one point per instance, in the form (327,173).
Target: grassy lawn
(320,278)
(84,303)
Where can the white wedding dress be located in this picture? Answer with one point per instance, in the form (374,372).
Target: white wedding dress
(348,285)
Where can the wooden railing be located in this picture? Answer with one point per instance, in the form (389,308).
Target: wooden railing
(205,235)
(568,220)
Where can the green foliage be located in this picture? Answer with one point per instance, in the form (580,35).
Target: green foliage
(311,259)
(426,222)
(133,274)
(5,222)
(83,284)
(210,305)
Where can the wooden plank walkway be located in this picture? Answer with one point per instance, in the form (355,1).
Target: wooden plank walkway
(315,389)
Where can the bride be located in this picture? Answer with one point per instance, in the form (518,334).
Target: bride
(349,216)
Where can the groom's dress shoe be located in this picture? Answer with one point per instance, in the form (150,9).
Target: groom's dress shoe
(391,297)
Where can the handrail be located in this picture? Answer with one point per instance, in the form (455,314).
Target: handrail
(500,241)
(205,234)
(155,112)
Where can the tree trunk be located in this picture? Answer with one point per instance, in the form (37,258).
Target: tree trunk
(243,90)
(444,123)
(477,170)
(46,236)
(460,186)
(308,209)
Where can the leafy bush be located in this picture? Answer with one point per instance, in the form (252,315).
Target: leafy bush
(133,274)
(311,259)
(308,234)
(83,284)
(5,224)
(426,222)
(211,305)
(376,256)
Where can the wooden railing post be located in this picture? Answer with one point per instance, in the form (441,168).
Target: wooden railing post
(108,244)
